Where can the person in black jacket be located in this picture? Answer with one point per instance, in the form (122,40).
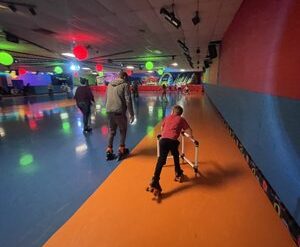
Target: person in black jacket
(84,99)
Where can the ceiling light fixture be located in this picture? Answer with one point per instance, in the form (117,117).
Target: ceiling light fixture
(68,54)
(196,18)
(32,10)
(174,64)
(86,68)
(170,17)
(129,67)
(12,7)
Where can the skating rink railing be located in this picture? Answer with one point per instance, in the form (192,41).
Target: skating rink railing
(184,136)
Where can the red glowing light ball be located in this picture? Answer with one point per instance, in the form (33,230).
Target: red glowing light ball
(80,52)
(129,72)
(99,67)
(22,71)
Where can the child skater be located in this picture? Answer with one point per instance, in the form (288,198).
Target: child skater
(171,127)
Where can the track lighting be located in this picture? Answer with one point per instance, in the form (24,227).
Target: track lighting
(183,45)
(196,18)
(12,7)
(16,6)
(32,10)
(170,17)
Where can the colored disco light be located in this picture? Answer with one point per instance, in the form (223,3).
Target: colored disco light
(80,52)
(22,71)
(149,65)
(101,73)
(58,70)
(129,72)
(150,131)
(26,159)
(6,59)
(74,67)
(103,112)
(99,67)
(160,71)
(13,74)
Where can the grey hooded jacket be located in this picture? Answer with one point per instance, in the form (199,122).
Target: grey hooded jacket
(118,97)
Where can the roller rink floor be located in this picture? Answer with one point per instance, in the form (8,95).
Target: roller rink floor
(56,185)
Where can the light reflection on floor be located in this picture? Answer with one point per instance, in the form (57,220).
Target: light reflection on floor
(49,168)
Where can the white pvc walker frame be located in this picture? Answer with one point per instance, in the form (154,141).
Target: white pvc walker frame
(182,155)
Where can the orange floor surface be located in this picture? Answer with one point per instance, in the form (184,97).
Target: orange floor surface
(225,206)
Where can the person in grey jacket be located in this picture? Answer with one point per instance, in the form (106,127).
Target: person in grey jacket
(118,102)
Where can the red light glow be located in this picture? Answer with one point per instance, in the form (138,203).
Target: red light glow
(129,72)
(99,67)
(80,52)
(22,71)
(104,130)
(32,124)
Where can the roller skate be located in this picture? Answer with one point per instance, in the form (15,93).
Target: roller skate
(179,177)
(110,154)
(123,153)
(155,188)
(87,130)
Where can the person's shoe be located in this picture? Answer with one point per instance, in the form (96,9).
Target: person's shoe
(110,154)
(179,177)
(155,188)
(88,129)
(123,153)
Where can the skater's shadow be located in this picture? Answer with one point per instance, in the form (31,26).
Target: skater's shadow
(211,175)
(146,152)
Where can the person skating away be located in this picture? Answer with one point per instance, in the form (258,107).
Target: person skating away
(164,93)
(84,99)
(118,102)
(171,128)
(186,89)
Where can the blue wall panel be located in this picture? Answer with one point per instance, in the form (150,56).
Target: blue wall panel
(269,128)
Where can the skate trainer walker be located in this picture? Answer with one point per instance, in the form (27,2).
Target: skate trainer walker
(182,155)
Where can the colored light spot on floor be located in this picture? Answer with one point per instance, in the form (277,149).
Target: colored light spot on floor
(150,131)
(104,130)
(64,115)
(160,113)
(103,112)
(26,159)
(66,127)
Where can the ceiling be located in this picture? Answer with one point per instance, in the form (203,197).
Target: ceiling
(116,32)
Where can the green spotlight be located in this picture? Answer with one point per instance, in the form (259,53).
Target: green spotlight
(149,65)
(6,59)
(58,70)
(160,71)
